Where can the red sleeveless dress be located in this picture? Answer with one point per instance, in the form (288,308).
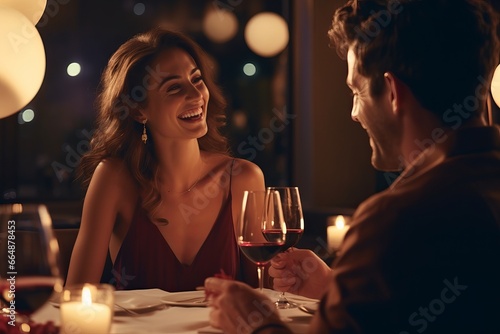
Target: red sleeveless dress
(145,260)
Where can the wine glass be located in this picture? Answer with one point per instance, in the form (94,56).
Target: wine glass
(294,220)
(29,271)
(261,231)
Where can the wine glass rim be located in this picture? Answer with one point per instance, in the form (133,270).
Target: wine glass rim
(45,230)
(281,187)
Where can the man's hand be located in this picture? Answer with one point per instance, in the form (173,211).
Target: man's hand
(238,308)
(299,271)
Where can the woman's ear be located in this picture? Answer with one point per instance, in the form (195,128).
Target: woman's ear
(396,91)
(139,116)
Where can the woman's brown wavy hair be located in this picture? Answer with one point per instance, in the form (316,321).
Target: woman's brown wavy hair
(123,90)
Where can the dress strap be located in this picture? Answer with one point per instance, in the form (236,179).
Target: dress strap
(231,176)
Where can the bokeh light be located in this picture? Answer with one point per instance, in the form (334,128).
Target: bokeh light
(74,69)
(220,25)
(495,86)
(240,119)
(22,65)
(26,116)
(249,69)
(139,8)
(266,34)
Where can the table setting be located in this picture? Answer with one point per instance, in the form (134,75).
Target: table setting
(34,300)
(158,311)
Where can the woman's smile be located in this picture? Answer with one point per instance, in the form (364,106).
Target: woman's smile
(192,115)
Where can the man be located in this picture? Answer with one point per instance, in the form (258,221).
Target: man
(424,255)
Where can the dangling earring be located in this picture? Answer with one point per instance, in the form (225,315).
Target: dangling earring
(144,136)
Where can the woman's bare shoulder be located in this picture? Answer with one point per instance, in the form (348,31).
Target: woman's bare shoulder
(112,164)
(239,168)
(247,175)
(112,175)
(246,168)
(113,169)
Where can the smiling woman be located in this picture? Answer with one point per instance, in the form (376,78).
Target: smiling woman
(167,98)
(40,164)
(163,192)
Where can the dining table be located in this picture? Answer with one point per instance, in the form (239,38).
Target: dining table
(158,311)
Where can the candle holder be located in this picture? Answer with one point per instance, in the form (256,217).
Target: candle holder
(336,229)
(87,308)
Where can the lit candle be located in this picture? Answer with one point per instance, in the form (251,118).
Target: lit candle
(336,231)
(85,315)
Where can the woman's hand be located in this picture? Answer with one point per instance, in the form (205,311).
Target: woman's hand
(299,271)
(238,308)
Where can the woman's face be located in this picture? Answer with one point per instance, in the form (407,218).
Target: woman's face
(177,97)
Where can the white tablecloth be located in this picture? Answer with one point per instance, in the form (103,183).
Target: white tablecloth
(174,319)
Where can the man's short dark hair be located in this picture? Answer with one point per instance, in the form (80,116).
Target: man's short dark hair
(444,50)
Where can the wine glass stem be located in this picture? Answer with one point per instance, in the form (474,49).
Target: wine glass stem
(260,275)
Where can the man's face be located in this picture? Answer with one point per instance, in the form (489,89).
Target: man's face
(376,116)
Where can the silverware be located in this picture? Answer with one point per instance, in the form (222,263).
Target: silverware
(194,300)
(138,313)
(126,310)
(306,309)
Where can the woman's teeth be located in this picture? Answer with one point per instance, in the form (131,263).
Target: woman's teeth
(192,114)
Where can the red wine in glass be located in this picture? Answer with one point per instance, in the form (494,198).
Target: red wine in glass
(31,273)
(294,220)
(28,293)
(261,212)
(293,235)
(260,253)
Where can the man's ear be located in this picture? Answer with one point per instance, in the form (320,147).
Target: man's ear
(396,90)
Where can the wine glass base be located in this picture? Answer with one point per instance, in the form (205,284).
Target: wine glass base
(284,304)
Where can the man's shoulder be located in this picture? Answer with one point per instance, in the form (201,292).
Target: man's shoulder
(453,190)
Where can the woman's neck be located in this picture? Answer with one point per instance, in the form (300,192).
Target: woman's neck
(181,165)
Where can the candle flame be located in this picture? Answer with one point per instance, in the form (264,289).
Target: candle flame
(340,222)
(86,296)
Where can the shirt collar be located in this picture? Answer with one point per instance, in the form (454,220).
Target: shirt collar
(463,141)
